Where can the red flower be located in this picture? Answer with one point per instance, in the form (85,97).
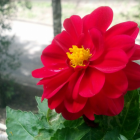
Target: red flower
(88,68)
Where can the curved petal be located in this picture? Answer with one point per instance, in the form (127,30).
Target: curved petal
(103,105)
(71,85)
(126,28)
(60,108)
(71,116)
(113,61)
(100,18)
(54,58)
(132,72)
(76,88)
(136,54)
(56,83)
(64,41)
(123,42)
(88,111)
(115,85)
(97,39)
(74,106)
(58,98)
(43,72)
(74,26)
(91,83)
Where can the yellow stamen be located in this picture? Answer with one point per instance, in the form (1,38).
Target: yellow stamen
(77,56)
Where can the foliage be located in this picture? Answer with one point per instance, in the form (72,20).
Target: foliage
(48,125)
(9,59)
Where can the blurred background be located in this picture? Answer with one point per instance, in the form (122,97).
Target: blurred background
(26,28)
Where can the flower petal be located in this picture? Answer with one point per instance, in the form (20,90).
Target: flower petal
(88,111)
(64,41)
(136,54)
(100,18)
(56,83)
(126,28)
(77,85)
(91,83)
(71,116)
(74,106)
(132,71)
(97,39)
(58,98)
(43,72)
(103,105)
(116,84)
(113,61)
(74,26)
(54,57)
(123,42)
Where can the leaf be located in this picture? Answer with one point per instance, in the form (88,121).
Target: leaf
(122,137)
(55,120)
(42,106)
(74,123)
(93,134)
(21,125)
(44,135)
(70,133)
(112,135)
(130,116)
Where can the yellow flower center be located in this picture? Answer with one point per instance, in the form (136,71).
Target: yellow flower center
(77,56)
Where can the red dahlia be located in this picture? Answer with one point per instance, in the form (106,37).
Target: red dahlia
(88,68)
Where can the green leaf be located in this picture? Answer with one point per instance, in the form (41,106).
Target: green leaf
(74,123)
(22,125)
(93,133)
(112,135)
(130,116)
(55,120)
(70,133)
(44,135)
(42,106)
(122,137)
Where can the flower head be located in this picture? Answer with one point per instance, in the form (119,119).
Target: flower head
(88,68)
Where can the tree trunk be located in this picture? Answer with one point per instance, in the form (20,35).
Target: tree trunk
(56,6)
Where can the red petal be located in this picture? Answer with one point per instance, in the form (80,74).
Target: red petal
(91,83)
(106,106)
(73,26)
(136,54)
(132,71)
(43,72)
(57,99)
(72,82)
(73,106)
(64,41)
(56,83)
(60,108)
(113,61)
(100,18)
(126,28)
(71,116)
(115,106)
(77,85)
(88,111)
(97,40)
(124,42)
(116,84)
(54,57)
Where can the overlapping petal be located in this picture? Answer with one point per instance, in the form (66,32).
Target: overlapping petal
(113,61)
(100,18)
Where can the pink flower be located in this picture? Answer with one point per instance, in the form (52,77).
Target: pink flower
(88,68)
